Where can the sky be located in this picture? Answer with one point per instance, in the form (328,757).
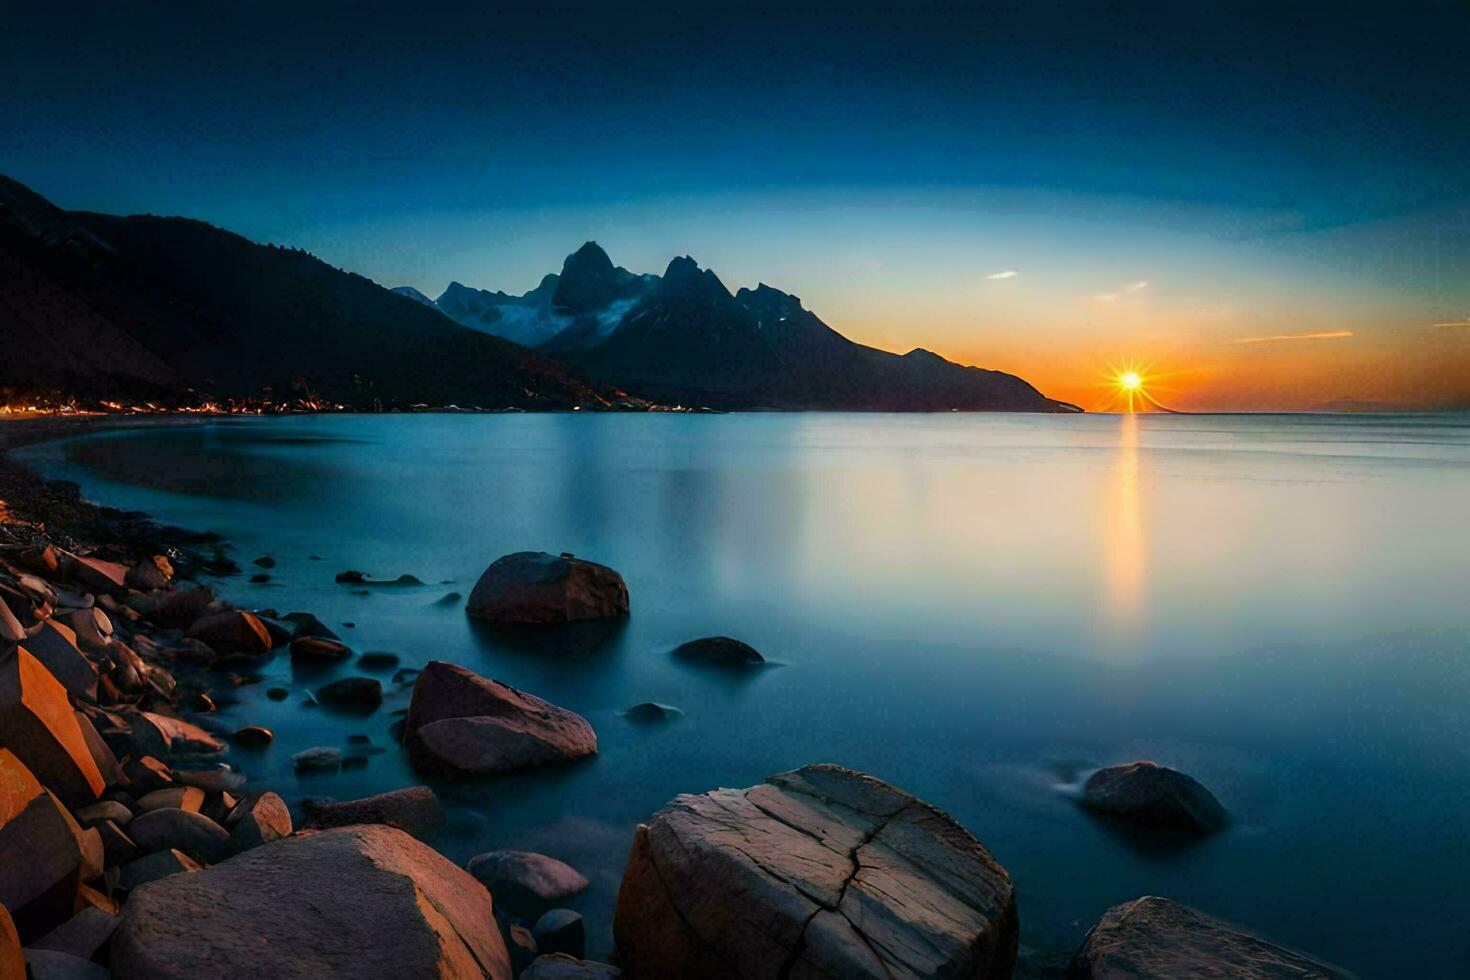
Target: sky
(1264,206)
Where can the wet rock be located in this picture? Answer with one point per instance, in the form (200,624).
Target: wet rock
(412,808)
(38,889)
(359,901)
(278,694)
(233,631)
(448,599)
(158,735)
(719,650)
(818,872)
(262,821)
(320,759)
(280,635)
(559,966)
(183,830)
(259,578)
(356,692)
(315,649)
(265,561)
(38,724)
(253,736)
(377,660)
(461,723)
(82,935)
(350,577)
(524,880)
(560,931)
(650,712)
(1156,939)
(535,587)
(1154,796)
(305,624)
(155,866)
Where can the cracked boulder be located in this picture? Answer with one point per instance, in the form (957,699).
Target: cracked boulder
(821,872)
(366,901)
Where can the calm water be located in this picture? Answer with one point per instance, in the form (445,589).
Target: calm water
(976,608)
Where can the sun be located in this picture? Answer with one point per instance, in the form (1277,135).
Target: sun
(1130,381)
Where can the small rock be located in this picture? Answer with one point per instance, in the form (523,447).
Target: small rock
(263,821)
(561,931)
(305,624)
(96,813)
(48,964)
(254,736)
(117,847)
(232,631)
(179,797)
(319,759)
(278,694)
(351,577)
(173,829)
(522,947)
(318,649)
(650,712)
(259,578)
(82,935)
(265,561)
(525,880)
(361,692)
(413,808)
(719,650)
(156,734)
(1154,796)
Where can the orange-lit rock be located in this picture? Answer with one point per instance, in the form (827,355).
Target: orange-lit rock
(38,724)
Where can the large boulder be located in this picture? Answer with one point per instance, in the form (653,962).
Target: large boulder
(411,808)
(232,631)
(525,880)
(535,587)
(38,724)
(462,724)
(353,902)
(1155,939)
(1154,796)
(42,857)
(560,966)
(821,872)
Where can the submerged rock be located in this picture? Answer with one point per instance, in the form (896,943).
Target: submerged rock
(461,723)
(412,808)
(318,649)
(535,587)
(818,872)
(651,712)
(525,880)
(720,650)
(355,692)
(1154,796)
(1156,939)
(319,759)
(357,902)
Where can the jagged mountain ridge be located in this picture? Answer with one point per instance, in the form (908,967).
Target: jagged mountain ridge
(99,305)
(683,337)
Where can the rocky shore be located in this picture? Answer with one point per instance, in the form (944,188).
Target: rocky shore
(128,848)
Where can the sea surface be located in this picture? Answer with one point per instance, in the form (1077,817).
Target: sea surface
(978,608)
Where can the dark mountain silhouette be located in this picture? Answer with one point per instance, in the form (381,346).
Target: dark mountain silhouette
(684,338)
(97,305)
(690,340)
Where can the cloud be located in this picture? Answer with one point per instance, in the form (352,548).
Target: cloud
(1453,323)
(1007,274)
(1134,287)
(1324,335)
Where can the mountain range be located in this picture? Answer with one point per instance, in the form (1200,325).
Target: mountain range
(684,337)
(169,308)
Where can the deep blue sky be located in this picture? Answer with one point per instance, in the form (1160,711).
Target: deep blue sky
(418,144)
